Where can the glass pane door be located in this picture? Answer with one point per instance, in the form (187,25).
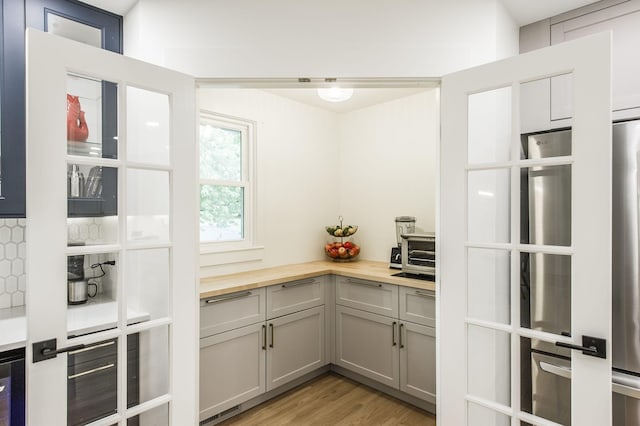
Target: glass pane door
(521,246)
(109,231)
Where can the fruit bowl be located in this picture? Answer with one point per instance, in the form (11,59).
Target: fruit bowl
(340,251)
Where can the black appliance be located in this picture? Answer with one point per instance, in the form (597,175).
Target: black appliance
(12,389)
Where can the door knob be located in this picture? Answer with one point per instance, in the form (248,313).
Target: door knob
(48,349)
(592,346)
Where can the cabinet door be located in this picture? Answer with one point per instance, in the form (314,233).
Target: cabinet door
(296,346)
(295,296)
(231,368)
(418,361)
(43,15)
(623,20)
(370,296)
(367,344)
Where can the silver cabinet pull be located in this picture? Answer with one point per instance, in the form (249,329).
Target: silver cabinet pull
(102,345)
(95,370)
(297,283)
(367,283)
(271,329)
(425,294)
(228,297)
(393,333)
(400,332)
(264,337)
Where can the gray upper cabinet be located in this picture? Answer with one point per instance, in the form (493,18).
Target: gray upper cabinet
(546,104)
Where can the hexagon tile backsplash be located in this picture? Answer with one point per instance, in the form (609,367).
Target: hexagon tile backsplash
(13,280)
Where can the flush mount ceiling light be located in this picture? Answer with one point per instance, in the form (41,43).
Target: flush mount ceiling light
(335,94)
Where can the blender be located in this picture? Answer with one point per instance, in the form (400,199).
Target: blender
(404,225)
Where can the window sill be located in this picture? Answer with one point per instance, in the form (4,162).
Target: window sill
(213,256)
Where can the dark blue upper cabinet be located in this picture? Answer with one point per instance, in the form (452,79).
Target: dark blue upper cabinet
(42,15)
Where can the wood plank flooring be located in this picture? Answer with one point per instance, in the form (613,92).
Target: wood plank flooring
(333,400)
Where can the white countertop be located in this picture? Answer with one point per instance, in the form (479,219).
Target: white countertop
(93,316)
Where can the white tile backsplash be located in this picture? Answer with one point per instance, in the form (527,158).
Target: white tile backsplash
(13,281)
(12,262)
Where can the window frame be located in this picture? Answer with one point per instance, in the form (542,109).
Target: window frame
(247,182)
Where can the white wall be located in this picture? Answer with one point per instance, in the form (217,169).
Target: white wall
(388,169)
(369,166)
(297,169)
(332,38)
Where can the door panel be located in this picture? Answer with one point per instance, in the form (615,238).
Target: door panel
(296,346)
(548,257)
(131,262)
(367,344)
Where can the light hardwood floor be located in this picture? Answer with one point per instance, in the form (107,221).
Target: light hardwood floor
(333,400)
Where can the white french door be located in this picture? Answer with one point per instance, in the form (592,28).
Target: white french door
(525,245)
(112,294)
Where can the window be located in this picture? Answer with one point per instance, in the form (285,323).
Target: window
(226,182)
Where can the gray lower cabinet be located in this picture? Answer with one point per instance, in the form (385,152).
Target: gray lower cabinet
(295,346)
(398,351)
(418,361)
(246,349)
(255,341)
(232,368)
(366,343)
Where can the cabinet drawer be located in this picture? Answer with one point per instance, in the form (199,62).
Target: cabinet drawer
(229,311)
(295,296)
(418,306)
(370,296)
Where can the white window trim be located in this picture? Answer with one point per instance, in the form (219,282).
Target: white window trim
(224,252)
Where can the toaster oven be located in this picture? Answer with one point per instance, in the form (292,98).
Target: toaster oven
(419,254)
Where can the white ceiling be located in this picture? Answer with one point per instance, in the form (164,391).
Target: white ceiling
(362,97)
(119,7)
(523,11)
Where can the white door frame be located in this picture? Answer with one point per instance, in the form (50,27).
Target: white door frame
(590,61)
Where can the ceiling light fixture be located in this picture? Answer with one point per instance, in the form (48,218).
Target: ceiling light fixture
(335,94)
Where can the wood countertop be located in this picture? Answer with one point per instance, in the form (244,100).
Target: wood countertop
(364,269)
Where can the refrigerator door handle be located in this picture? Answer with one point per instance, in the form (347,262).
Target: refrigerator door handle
(556,369)
(626,384)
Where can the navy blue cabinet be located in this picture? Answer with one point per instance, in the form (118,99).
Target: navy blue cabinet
(39,14)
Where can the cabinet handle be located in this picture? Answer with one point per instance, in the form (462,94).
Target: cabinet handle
(367,283)
(393,333)
(271,329)
(297,283)
(95,370)
(228,297)
(401,327)
(264,337)
(424,294)
(102,345)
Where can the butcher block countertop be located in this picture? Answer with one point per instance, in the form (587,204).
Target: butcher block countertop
(364,269)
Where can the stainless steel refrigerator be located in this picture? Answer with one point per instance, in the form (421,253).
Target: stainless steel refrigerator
(545,279)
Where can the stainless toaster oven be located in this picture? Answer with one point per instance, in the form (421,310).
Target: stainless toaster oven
(419,253)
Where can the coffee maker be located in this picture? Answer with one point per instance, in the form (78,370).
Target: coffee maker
(77,291)
(404,225)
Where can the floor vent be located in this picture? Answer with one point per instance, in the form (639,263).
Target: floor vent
(219,415)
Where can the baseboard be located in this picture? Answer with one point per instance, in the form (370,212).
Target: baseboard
(409,399)
(234,411)
(240,408)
